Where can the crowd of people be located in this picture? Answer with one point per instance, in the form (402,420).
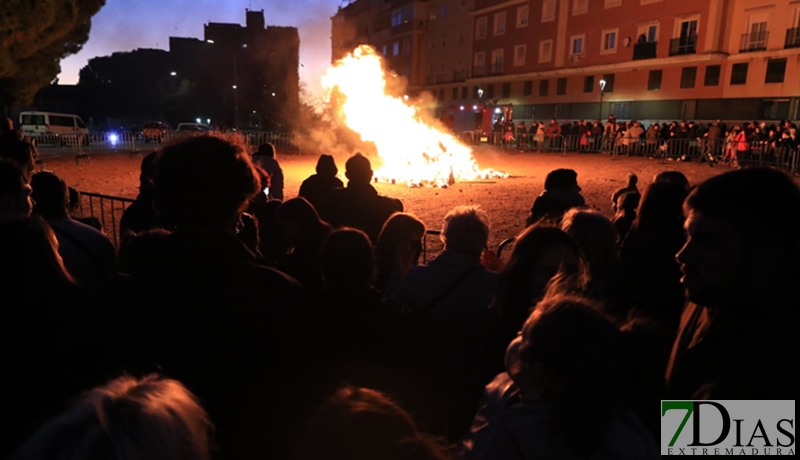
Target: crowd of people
(234,324)
(712,142)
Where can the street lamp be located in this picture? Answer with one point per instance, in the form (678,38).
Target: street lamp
(173,73)
(480,93)
(602,91)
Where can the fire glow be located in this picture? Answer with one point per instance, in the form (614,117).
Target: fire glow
(412,151)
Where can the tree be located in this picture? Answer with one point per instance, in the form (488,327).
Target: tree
(34,37)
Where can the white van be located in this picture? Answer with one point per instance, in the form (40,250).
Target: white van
(35,124)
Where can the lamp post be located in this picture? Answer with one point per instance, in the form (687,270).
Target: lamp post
(602,91)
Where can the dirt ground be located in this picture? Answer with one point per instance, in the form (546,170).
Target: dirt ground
(507,201)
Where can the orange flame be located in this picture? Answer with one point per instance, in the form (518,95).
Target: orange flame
(411,150)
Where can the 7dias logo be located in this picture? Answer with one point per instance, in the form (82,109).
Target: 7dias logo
(727,427)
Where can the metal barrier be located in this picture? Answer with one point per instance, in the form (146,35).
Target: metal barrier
(107,210)
(768,153)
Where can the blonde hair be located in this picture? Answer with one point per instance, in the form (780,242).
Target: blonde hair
(466,228)
(127,419)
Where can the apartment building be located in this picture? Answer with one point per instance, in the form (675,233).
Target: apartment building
(656,59)
(395,28)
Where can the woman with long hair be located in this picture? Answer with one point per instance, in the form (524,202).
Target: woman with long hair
(399,248)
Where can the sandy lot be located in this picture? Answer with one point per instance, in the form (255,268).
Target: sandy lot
(507,201)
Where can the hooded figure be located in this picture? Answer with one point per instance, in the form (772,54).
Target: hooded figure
(317,188)
(561,193)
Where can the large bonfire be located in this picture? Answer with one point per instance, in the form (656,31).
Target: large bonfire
(411,150)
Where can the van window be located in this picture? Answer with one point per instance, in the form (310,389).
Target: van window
(56,120)
(33,120)
(79,122)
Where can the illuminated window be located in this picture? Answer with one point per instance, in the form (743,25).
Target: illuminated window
(499,27)
(480,27)
(548,10)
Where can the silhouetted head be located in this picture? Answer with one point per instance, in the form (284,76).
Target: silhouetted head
(633,179)
(148,173)
(126,419)
(661,207)
(743,240)
(15,192)
(358,169)
(326,166)
(6,126)
(673,177)
(300,221)
(466,229)
(562,179)
(363,424)
(51,195)
(204,181)
(16,147)
(400,244)
(597,238)
(30,260)
(540,253)
(265,150)
(347,260)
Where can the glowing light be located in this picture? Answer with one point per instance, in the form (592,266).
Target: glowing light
(113,138)
(199,120)
(461,108)
(173,73)
(474,107)
(210,41)
(208,121)
(410,150)
(602,85)
(273,94)
(497,110)
(234,86)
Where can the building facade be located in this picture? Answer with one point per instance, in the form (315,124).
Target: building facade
(248,74)
(658,59)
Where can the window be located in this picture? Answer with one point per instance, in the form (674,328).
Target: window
(545,50)
(383,50)
(712,75)
(654,80)
(527,88)
(522,16)
(506,90)
(441,94)
(561,86)
(609,79)
(445,10)
(544,87)
(395,48)
(497,62)
(480,64)
(739,74)
(455,94)
(580,7)
(548,10)
(613,3)
(621,110)
(688,77)
(480,28)
(406,47)
(489,91)
(499,27)
(576,45)
(476,92)
(464,92)
(609,41)
(650,32)
(588,83)
(776,69)
(397,19)
(519,55)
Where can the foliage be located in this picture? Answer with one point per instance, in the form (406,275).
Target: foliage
(34,37)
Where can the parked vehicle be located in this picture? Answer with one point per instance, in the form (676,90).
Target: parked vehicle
(195,127)
(154,131)
(63,127)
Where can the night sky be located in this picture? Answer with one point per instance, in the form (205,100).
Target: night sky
(124,25)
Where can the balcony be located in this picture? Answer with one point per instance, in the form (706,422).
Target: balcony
(496,68)
(479,71)
(647,50)
(792,38)
(754,41)
(683,45)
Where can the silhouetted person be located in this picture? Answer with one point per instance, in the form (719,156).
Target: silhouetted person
(561,193)
(270,239)
(303,235)
(448,300)
(631,187)
(741,264)
(317,188)
(672,177)
(75,210)
(241,335)
(363,424)
(148,419)
(597,239)
(359,205)
(140,215)
(265,157)
(398,250)
(15,191)
(564,393)
(44,314)
(627,204)
(88,254)
(17,148)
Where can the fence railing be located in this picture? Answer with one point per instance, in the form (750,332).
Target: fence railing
(107,210)
(50,146)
